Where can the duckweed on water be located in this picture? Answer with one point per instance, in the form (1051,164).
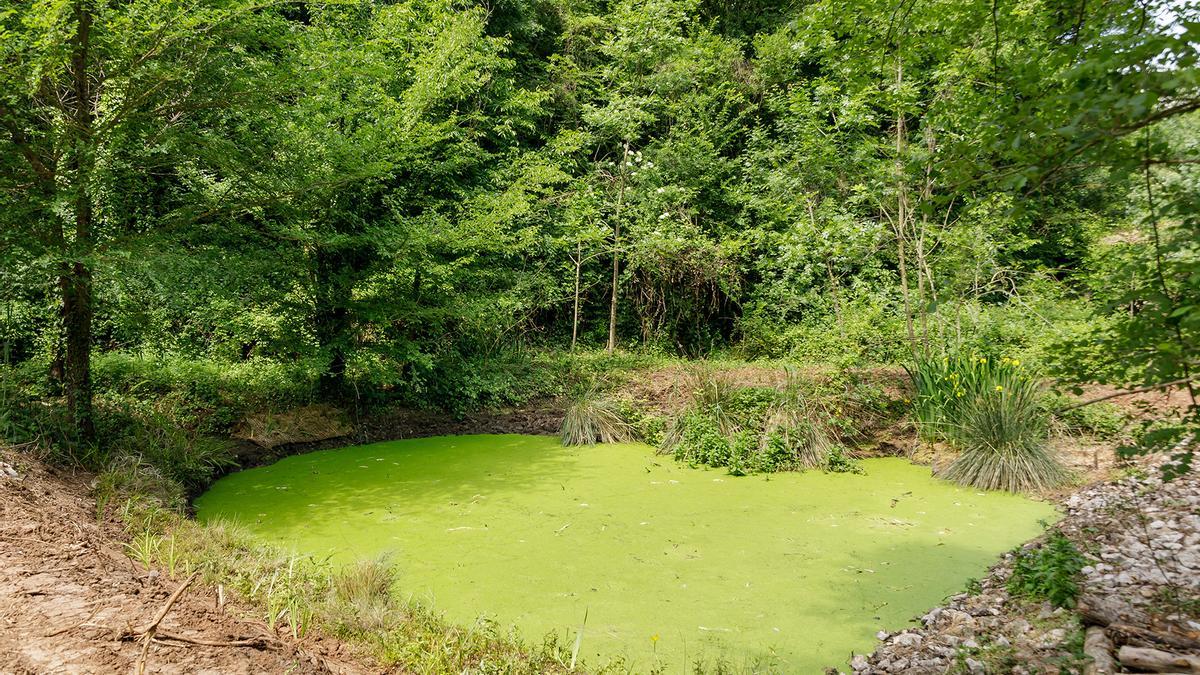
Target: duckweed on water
(670,565)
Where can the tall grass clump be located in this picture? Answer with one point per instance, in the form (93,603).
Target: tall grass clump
(361,597)
(592,419)
(944,386)
(993,412)
(1003,437)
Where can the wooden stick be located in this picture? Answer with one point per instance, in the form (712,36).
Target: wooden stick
(245,642)
(1124,620)
(149,631)
(1127,392)
(1098,647)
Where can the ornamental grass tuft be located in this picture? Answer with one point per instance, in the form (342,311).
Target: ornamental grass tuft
(992,411)
(592,419)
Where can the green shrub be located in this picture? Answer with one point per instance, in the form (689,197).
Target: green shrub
(841,461)
(1049,572)
(763,429)
(650,428)
(1003,440)
(203,395)
(870,331)
(695,437)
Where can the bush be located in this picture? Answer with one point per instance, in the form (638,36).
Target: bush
(1003,438)
(871,331)
(203,395)
(23,418)
(1050,572)
(762,429)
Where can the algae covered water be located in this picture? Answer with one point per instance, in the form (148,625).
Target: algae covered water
(670,565)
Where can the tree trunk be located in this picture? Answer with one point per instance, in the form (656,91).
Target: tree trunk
(575,314)
(902,215)
(331,319)
(612,309)
(75,279)
(76,287)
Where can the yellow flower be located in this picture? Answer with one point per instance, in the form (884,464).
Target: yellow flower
(999,388)
(1016,362)
(960,393)
(654,638)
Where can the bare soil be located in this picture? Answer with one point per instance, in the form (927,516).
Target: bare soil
(71,601)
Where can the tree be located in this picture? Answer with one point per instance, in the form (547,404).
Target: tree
(94,88)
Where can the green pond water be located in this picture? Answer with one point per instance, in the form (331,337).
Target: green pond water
(671,565)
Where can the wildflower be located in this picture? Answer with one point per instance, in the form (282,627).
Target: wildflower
(1016,362)
(999,388)
(654,638)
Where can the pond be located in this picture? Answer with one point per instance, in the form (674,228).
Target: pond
(656,562)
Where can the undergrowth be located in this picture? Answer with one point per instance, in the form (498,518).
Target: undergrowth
(807,424)
(1049,572)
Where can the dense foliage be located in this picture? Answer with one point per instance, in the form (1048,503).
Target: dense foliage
(376,201)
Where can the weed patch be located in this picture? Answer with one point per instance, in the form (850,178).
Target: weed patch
(1049,572)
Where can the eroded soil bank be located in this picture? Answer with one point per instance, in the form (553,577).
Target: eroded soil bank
(72,601)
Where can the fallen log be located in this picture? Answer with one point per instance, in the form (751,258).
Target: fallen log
(1157,660)
(1123,619)
(1098,647)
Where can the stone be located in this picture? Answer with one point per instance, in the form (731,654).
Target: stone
(907,640)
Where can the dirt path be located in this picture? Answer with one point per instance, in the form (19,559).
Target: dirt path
(72,602)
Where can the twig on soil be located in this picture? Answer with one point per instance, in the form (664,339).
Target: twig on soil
(73,626)
(149,631)
(168,638)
